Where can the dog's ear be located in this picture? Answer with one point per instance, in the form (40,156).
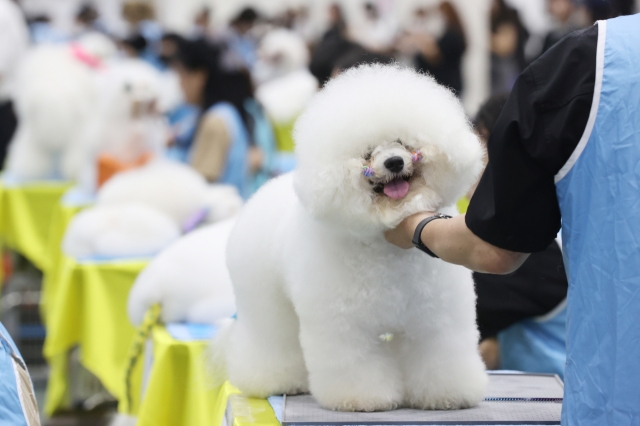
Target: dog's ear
(325,191)
(466,160)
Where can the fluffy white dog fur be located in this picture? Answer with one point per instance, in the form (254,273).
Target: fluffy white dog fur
(56,96)
(119,231)
(324,303)
(172,188)
(167,190)
(285,85)
(189,279)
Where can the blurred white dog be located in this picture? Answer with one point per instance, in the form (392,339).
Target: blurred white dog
(56,95)
(324,303)
(127,125)
(139,212)
(189,279)
(285,85)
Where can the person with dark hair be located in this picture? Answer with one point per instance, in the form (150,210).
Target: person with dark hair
(134,46)
(241,45)
(438,38)
(219,149)
(377,31)
(565,20)
(508,39)
(607,9)
(332,46)
(141,15)
(169,46)
(87,19)
(358,56)
(510,307)
(201,25)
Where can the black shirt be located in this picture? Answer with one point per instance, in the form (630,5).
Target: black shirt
(515,206)
(535,289)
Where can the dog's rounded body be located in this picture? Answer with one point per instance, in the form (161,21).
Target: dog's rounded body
(175,200)
(189,279)
(325,304)
(55,100)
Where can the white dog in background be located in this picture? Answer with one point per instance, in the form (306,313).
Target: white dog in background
(139,212)
(56,96)
(324,303)
(189,279)
(128,124)
(284,84)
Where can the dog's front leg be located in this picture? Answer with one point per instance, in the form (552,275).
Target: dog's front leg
(349,370)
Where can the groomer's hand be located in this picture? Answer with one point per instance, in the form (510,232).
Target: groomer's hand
(402,235)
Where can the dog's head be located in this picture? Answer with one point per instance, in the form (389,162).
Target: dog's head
(380,143)
(132,89)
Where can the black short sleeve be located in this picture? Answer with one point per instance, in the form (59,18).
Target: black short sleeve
(515,205)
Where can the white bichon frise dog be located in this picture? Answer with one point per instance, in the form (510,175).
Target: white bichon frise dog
(189,279)
(128,126)
(324,303)
(284,84)
(139,212)
(55,99)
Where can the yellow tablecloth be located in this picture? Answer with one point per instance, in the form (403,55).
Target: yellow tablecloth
(178,391)
(284,136)
(60,218)
(87,307)
(25,217)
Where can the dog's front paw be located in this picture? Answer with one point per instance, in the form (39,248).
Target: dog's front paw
(444,403)
(453,393)
(361,404)
(359,398)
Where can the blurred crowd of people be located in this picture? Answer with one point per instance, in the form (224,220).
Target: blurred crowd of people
(232,61)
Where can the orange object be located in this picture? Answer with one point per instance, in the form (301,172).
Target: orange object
(108,165)
(7,267)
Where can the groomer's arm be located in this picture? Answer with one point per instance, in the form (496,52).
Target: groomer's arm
(453,242)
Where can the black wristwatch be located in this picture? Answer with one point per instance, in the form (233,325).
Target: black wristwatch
(417,241)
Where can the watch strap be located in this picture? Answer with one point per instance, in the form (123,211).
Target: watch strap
(417,241)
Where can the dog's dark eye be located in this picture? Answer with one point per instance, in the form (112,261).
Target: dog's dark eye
(367,156)
(399,141)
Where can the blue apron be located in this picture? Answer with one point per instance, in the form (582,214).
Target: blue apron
(599,195)
(14,393)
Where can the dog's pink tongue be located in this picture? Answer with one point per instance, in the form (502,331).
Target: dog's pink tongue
(396,189)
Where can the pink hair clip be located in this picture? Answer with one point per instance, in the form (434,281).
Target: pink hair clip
(368,171)
(416,156)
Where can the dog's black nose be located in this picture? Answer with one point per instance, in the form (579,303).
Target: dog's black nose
(394,164)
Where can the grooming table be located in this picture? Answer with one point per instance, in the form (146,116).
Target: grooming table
(512,399)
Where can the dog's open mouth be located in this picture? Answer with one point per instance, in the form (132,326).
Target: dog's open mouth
(396,189)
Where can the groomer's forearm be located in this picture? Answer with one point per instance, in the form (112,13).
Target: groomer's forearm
(453,242)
